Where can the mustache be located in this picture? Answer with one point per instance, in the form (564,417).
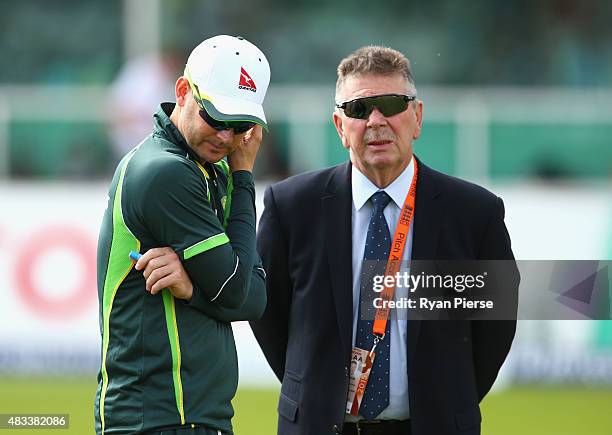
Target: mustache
(379,135)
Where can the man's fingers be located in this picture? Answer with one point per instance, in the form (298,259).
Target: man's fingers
(156,263)
(254,134)
(157,275)
(165,282)
(150,254)
(162,269)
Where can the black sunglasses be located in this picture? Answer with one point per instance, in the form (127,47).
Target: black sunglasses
(239,127)
(388,104)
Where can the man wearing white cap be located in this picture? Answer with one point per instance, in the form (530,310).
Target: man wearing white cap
(168,355)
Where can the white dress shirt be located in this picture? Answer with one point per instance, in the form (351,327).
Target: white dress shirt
(363,189)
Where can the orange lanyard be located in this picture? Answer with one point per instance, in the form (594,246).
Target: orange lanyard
(395,256)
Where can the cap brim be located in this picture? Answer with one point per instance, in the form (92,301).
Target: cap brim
(231,109)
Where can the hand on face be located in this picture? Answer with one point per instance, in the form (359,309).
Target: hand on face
(242,158)
(209,144)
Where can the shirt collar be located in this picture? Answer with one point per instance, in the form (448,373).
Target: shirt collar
(363,188)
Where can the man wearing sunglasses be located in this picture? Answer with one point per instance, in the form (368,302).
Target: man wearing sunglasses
(324,234)
(176,255)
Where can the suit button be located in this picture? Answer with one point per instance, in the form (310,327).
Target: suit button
(346,373)
(336,428)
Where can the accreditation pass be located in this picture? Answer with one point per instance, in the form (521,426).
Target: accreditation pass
(361,365)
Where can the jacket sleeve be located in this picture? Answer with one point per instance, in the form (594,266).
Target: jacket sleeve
(178,214)
(491,339)
(252,308)
(271,331)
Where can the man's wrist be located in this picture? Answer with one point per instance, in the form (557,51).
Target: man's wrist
(233,171)
(241,168)
(242,176)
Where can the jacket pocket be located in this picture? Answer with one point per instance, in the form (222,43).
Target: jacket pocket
(287,408)
(291,390)
(468,419)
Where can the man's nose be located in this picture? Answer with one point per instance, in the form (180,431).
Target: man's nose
(376,118)
(226,136)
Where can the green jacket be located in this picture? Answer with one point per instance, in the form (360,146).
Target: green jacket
(165,361)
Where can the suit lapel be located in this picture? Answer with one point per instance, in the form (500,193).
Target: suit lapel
(336,207)
(425,236)
(426,216)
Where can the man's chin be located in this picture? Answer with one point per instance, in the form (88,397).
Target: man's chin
(214,159)
(383,162)
(213,154)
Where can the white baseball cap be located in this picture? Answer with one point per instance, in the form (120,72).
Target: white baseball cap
(230,76)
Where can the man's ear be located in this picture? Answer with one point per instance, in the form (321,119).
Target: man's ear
(418,111)
(182,90)
(340,128)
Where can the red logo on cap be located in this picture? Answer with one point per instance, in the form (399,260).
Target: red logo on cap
(246,82)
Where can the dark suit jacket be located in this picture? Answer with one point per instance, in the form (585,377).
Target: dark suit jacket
(304,239)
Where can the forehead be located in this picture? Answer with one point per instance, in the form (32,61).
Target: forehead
(356,86)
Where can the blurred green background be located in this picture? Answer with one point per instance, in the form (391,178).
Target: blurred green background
(530,80)
(519,410)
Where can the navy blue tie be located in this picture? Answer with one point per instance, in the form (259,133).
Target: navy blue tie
(376,254)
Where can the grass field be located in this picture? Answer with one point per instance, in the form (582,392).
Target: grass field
(524,411)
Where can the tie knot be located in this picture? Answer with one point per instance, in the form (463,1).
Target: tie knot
(380,200)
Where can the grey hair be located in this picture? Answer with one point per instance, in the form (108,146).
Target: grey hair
(374,60)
